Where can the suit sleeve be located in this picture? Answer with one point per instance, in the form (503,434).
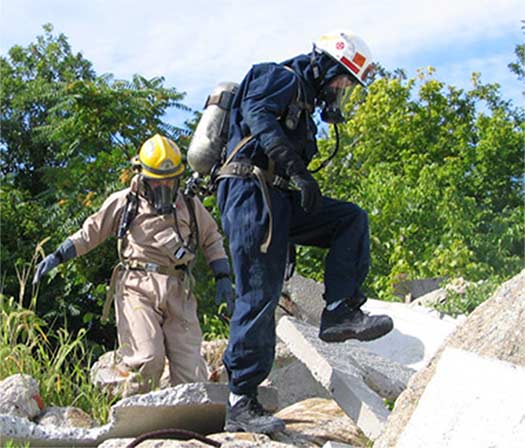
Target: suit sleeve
(101,225)
(268,94)
(210,239)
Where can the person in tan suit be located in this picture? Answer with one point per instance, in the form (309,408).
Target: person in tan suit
(158,230)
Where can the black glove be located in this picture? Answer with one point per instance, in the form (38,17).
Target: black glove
(65,252)
(224,292)
(310,193)
(294,166)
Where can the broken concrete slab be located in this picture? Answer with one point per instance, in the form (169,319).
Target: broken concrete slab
(334,366)
(291,391)
(385,377)
(495,329)
(197,407)
(417,334)
(470,401)
(20,396)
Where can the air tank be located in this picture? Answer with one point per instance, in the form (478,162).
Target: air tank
(211,133)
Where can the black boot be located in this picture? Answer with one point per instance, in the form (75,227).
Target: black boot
(247,415)
(347,322)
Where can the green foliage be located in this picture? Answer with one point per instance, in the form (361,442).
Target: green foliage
(463,304)
(12,444)
(67,137)
(58,360)
(440,172)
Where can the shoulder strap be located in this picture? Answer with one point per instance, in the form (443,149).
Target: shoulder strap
(194,226)
(126,218)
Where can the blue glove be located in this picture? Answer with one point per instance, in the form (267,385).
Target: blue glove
(65,252)
(48,263)
(224,291)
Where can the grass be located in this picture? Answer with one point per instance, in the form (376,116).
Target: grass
(12,444)
(58,360)
(463,304)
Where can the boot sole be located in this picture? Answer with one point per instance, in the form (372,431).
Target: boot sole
(341,336)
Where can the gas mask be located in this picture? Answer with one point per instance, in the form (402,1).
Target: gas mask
(333,98)
(161,193)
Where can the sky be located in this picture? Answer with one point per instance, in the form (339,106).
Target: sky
(195,44)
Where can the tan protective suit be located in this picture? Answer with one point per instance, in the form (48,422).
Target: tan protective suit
(156,317)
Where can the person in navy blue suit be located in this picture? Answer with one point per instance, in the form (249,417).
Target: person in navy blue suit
(268,200)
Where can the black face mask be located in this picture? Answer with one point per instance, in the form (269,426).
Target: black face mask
(330,100)
(161,197)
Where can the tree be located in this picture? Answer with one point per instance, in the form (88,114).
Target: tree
(440,172)
(67,137)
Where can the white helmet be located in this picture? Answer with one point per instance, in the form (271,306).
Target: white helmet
(349,50)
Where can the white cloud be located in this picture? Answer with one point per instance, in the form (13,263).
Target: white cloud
(195,44)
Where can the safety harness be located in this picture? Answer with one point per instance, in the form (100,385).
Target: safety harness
(266,177)
(182,269)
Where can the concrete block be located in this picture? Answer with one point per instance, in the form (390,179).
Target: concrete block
(470,401)
(334,367)
(197,407)
(417,334)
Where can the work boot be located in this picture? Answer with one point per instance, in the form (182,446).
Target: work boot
(249,416)
(347,322)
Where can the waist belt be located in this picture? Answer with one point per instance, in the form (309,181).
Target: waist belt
(179,271)
(246,169)
(174,271)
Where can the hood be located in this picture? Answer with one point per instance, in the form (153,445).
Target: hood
(328,69)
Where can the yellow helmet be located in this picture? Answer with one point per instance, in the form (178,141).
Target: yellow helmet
(160,158)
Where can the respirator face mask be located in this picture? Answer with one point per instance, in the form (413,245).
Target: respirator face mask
(161,193)
(334,97)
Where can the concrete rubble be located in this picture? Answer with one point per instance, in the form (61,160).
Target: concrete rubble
(418,332)
(20,396)
(197,407)
(467,392)
(340,398)
(495,329)
(353,375)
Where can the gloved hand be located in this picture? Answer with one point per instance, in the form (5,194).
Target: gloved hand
(48,263)
(65,252)
(287,158)
(224,291)
(310,193)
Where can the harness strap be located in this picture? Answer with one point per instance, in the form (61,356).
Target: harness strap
(264,178)
(237,149)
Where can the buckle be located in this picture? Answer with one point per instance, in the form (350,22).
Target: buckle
(281,182)
(151,267)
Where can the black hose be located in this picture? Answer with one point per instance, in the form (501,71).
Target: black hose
(326,161)
(170,434)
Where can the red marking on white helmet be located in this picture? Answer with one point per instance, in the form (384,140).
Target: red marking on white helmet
(350,65)
(340,45)
(359,59)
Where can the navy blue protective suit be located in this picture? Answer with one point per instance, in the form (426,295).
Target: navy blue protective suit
(259,109)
